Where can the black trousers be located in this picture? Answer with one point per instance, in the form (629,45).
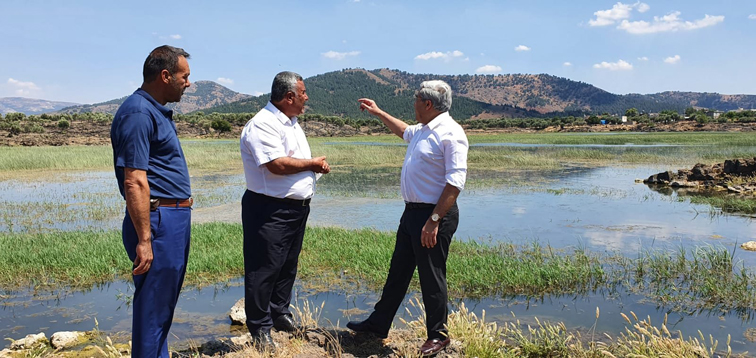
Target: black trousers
(431,268)
(273,233)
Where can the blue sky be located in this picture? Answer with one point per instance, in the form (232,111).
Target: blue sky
(92,51)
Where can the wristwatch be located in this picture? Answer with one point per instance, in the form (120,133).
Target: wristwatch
(435,218)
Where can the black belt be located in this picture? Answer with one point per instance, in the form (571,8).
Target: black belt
(289,201)
(419,206)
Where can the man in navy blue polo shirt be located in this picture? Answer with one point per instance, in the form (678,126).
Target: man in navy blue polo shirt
(153,178)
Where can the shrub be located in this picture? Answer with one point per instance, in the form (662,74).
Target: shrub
(32,128)
(64,124)
(221,125)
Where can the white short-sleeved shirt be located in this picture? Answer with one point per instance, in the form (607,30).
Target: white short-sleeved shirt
(270,135)
(436,156)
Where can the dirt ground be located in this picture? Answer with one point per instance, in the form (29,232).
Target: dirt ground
(98,133)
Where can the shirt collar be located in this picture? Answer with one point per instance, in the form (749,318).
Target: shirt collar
(435,122)
(280,115)
(168,113)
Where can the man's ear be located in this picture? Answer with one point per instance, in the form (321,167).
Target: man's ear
(289,96)
(165,76)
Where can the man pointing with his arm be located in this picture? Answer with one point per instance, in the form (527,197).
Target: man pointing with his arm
(433,174)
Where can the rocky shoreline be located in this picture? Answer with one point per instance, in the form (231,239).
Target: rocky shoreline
(734,176)
(304,342)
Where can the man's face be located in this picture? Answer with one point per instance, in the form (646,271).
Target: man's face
(420,108)
(300,98)
(179,80)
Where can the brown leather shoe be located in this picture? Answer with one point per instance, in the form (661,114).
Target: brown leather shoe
(433,346)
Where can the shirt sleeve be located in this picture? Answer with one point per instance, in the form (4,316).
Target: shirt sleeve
(455,161)
(410,131)
(132,141)
(265,143)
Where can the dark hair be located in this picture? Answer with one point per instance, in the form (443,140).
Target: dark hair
(162,58)
(284,82)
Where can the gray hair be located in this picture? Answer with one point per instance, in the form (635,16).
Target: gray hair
(438,92)
(284,82)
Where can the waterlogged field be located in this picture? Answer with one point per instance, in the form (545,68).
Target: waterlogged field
(552,225)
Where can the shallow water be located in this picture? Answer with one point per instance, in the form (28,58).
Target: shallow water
(601,209)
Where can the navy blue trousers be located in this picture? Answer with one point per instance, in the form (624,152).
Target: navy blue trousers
(156,292)
(431,269)
(273,234)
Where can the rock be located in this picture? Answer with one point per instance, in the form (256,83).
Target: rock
(215,347)
(242,340)
(237,315)
(316,337)
(65,339)
(29,341)
(682,184)
(6,353)
(750,246)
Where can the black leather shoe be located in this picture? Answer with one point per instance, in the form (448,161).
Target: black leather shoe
(433,346)
(284,323)
(263,341)
(367,327)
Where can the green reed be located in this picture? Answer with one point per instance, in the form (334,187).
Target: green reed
(334,258)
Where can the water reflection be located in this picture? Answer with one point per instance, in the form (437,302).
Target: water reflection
(202,314)
(600,209)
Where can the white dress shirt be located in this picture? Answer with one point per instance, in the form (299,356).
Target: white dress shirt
(436,156)
(270,135)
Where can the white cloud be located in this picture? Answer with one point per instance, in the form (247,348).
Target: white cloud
(339,55)
(257,93)
(175,37)
(618,12)
(522,48)
(567,64)
(752,16)
(23,88)
(488,69)
(672,60)
(668,23)
(620,65)
(447,56)
(225,81)
(644,58)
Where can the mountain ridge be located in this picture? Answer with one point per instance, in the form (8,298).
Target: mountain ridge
(486,96)
(475,96)
(200,95)
(30,106)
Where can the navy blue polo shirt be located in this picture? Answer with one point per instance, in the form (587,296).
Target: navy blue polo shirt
(143,136)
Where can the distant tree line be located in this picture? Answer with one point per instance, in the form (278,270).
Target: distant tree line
(16,123)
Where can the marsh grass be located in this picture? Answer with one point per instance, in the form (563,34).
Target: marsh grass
(726,203)
(482,338)
(208,156)
(705,278)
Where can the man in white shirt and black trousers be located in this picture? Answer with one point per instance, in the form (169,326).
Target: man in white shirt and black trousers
(433,174)
(280,174)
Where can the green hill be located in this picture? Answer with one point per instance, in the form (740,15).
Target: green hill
(485,96)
